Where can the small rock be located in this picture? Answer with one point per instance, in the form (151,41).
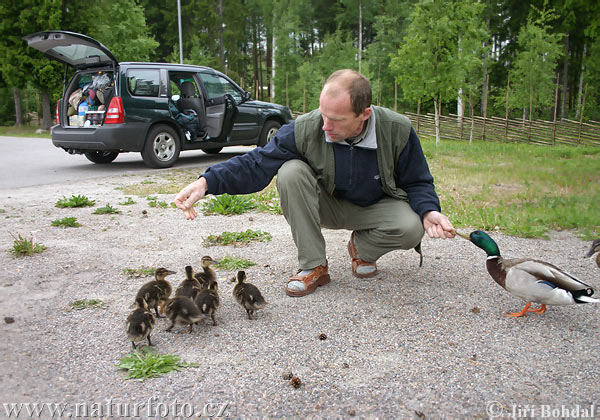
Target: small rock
(295,382)
(322,337)
(9,319)
(287,375)
(251,219)
(475,310)
(352,413)
(345,365)
(419,414)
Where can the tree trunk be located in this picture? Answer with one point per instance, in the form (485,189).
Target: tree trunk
(273,70)
(221,43)
(472,121)
(507,108)
(379,84)
(268,61)
(359,35)
(46,113)
(437,121)
(255,58)
(563,102)
(581,74)
(18,110)
(555,109)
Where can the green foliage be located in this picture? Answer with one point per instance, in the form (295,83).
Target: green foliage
(129,201)
(234,263)
(108,209)
(66,222)
(226,204)
(229,238)
(139,272)
(80,304)
(146,363)
(23,247)
(75,201)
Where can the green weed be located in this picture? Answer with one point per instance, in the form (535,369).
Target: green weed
(108,209)
(23,247)
(139,272)
(229,238)
(234,263)
(75,201)
(78,305)
(127,202)
(146,363)
(226,204)
(66,222)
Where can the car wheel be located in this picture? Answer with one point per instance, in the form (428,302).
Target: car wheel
(213,150)
(98,156)
(268,132)
(162,147)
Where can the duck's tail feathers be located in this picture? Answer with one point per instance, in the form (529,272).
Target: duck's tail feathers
(584,296)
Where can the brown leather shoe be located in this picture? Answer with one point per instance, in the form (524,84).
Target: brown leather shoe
(357,262)
(317,277)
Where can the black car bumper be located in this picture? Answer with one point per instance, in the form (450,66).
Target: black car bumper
(127,137)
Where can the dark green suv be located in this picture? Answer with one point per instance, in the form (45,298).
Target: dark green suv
(109,108)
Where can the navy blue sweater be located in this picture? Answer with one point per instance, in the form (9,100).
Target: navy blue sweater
(356,172)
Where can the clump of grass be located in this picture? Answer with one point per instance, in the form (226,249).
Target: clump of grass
(127,202)
(161,204)
(80,304)
(146,363)
(267,201)
(66,222)
(23,247)
(75,201)
(226,204)
(108,209)
(234,263)
(229,238)
(139,272)
(147,181)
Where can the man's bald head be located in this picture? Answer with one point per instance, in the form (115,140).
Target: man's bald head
(354,84)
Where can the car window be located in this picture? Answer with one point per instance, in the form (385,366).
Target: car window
(177,78)
(143,82)
(217,86)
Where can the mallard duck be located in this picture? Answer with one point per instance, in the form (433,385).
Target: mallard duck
(156,292)
(208,300)
(208,273)
(248,295)
(531,280)
(140,323)
(593,249)
(190,287)
(182,310)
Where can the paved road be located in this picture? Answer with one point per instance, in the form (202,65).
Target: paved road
(27,162)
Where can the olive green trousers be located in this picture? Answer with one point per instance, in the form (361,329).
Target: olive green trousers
(385,226)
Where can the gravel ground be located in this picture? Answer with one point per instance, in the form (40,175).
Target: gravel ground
(412,343)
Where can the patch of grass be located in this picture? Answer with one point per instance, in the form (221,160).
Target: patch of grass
(139,272)
(129,201)
(146,363)
(2,211)
(80,304)
(23,247)
(25,131)
(75,201)
(234,263)
(108,209)
(147,181)
(267,200)
(66,222)
(235,238)
(226,204)
(520,189)
(161,204)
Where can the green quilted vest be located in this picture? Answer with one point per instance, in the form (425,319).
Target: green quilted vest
(392,130)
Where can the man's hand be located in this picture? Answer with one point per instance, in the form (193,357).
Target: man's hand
(437,225)
(189,195)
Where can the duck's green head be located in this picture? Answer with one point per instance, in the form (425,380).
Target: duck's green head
(483,241)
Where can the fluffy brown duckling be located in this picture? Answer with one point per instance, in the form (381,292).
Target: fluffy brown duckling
(140,323)
(157,291)
(208,300)
(208,274)
(182,310)
(248,295)
(190,287)
(593,249)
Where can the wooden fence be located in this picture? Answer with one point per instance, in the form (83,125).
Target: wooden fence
(510,130)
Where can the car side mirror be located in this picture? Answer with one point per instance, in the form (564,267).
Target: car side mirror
(246,96)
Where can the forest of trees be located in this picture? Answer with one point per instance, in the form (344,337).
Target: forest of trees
(453,56)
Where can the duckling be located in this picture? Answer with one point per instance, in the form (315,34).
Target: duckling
(156,292)
(190,287)
(531,280)
(248,295)
(208,274)
(208,300)
(140,322)
(594,248)
(183,310)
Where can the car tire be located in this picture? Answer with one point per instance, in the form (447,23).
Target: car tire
(212,150)
(268,132)
(162,147)
(99,156)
